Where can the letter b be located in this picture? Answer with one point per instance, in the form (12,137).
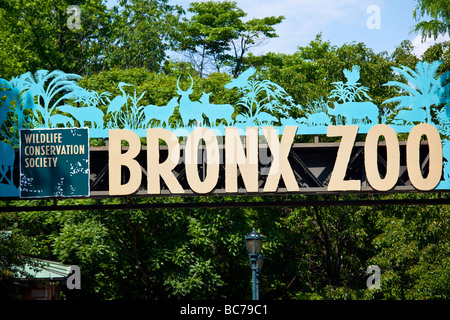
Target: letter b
(117,160)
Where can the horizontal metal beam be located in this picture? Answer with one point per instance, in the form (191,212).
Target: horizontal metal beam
(312,164)
(228,204)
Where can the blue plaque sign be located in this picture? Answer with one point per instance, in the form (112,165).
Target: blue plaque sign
(54,162)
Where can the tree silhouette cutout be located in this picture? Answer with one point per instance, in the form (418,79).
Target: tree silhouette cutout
(259,98)
(351,89)
(423,89)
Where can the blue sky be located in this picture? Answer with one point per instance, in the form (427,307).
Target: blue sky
(340,21)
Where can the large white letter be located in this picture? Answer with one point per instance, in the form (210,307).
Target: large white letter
(235,156)
(117,159)
(413,157)
(212,160)
(337,182)
(155,169)
(371,157)
(280,164)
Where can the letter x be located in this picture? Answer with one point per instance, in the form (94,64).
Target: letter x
(280,163)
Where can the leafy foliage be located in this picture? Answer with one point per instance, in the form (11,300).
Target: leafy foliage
(216,32)
(439,18)
(311,252)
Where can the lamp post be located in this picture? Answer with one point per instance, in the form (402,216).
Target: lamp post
(254,244)
(259,264)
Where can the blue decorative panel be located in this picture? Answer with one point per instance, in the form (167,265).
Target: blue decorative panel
(53,99)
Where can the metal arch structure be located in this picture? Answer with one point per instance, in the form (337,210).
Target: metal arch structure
(312,165)
(46,101)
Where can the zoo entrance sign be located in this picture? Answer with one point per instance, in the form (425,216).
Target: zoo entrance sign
(47,119)
(246,159)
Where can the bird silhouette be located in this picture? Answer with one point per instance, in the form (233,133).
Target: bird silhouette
(118,102)
(353,75)
(242,80)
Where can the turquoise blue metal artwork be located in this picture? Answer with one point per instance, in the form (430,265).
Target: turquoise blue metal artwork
(55,100)
(7,187)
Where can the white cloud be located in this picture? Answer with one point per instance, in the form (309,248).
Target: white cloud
(420,47)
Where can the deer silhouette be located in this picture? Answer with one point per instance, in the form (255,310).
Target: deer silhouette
(189,110)
(214,112)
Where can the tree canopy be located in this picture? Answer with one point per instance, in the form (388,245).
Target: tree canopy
(217,35)
(311,252)
(437,14)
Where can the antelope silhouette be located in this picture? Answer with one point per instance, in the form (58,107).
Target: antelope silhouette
(214,112)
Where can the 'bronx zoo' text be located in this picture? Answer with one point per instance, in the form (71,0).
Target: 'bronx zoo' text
(246,159)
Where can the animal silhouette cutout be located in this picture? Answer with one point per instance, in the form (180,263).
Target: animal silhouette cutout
(60,119)
(214,112)
(85,114)
(318,119)
(355,112)
(408,116)
(292,121)
(242,80)
(160,114)
(189,110)
(266,118)
(7,156)
(119,101)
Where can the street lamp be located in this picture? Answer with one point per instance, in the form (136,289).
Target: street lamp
(254,244)
(259,264)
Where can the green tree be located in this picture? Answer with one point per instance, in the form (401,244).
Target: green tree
(403,55)
(438,13)
(309,73)
(439,51)
(140,35)
(17,250)
(413,251)
(205,37)
(216,32)
(36,35)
